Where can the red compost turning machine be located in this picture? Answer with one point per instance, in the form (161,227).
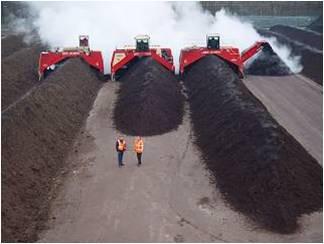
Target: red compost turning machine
(123,58)
(229,54)
(50,59)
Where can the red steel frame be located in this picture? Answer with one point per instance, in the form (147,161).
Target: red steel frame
(93,58)
(130,54)
(229,54)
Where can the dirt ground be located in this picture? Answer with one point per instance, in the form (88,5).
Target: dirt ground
(296,103)
(168,199)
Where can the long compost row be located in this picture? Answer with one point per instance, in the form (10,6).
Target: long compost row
(261,170)
(149,101)
(309,38)
(268,63)
(37,132)
(12,43)
(311,57)
(19,74)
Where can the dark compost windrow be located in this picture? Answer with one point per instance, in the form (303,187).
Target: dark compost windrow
(311,58)
(259,167)
(19,74)
(37,133)
(267,62)
(149,101)
(11,44)
(304,36)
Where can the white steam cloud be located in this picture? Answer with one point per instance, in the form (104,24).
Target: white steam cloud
(169,24)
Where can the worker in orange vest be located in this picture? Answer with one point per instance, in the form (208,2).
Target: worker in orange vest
(120,148)
(138,148)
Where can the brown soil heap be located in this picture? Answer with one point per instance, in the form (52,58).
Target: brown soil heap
(267,62)
(261,170)
(311,60)
(37,133)
(149,101)
(18,75)
(11,44)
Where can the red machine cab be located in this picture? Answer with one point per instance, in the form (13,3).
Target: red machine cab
(229,54)
(50,59)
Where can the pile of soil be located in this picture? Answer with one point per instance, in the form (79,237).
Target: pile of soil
(19,74)
(309,38)
(149,101)
(261,170)
(11,44)
(267,62)
(311,59)
(37,133)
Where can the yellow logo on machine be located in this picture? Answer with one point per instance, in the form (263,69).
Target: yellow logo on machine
(118,57)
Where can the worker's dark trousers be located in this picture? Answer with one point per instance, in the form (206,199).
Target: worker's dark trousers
(120,158)
(139,158)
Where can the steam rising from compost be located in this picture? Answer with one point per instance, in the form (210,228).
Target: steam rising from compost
(169,24)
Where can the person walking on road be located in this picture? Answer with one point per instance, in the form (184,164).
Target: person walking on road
(120,148)
(138,148)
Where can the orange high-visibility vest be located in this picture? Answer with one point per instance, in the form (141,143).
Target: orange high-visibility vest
(138,146)
(121,145)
